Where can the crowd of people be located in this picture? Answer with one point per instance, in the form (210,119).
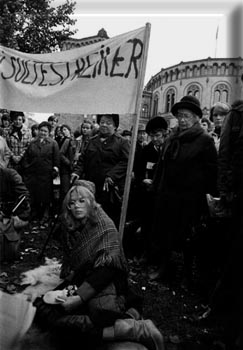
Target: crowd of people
(186,197)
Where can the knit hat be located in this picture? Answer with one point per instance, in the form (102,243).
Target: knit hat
(115,118)
(156,123)
(87,184)
(188,102)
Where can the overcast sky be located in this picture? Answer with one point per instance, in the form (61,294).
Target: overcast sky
(180,30)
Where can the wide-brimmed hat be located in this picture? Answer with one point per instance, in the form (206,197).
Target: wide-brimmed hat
(156,123)
(115,118)
(188,102)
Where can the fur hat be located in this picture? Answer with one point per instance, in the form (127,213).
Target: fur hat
(87,184)
(115,118)
(188,102)
(156,123)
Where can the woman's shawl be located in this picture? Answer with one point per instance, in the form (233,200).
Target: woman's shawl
(94,244)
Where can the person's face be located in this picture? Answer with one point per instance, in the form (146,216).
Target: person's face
(53,123)
(204,126)
(218,118)
(157,138)
(186,118)
(107,126)
(86,129)
(43,132)
(34,132)
(5,123)
(18,121)
(78,206)
(66,132)
(142,136)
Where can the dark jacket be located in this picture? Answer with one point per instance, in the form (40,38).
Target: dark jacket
(104,159)
(38,163)
(11,188)
(149,158)
(186,171)
(230,159)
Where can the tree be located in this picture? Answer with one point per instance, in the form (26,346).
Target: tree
(34,26)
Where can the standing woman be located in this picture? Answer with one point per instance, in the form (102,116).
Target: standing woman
(66,160)
(41,164)
(18,140)
(83,139)
(186,172)
(217,116)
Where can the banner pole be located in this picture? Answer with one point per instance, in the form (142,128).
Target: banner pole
(134,132)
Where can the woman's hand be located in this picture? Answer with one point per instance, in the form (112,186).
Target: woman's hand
(72,303)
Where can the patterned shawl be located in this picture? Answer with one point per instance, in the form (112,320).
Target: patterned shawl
(93,244)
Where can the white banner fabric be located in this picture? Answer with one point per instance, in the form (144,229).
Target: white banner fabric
(98,78)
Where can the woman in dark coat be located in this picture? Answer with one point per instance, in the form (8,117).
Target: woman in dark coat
(41,164)
(186,172)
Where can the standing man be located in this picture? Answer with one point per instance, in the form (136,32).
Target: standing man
(104,162)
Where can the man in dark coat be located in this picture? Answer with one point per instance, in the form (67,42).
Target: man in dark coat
(12,192)
(141,204)
(104,162)
(186,172)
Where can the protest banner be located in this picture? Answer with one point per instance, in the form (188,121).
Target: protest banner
(98,78)
(105,77)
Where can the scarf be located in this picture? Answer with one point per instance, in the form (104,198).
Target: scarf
(172,145)
(93,244)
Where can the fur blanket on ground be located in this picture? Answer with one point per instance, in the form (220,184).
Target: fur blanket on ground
(39,281)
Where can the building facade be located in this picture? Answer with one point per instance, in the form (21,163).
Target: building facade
(211,80)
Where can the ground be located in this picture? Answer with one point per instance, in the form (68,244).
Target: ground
(174,309)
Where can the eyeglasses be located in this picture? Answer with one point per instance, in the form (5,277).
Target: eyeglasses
(184,116)
(80,202)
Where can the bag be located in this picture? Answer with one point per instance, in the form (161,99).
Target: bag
(9,241)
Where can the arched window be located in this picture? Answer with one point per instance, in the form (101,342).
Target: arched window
(215,69)
(144,113)
(155,107)
(221,93)
(223,69)
(170,100)
(194,90)
(195,71)
(202,70)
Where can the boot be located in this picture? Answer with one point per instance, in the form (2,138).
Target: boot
(142,331)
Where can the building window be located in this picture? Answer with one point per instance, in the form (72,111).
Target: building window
(202,70)
(194,90)
(215,69)
(221,93)
(155,107)
(144,111)
(170,100)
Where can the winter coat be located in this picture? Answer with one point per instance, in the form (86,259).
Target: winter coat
(104,159)
(18,146)
(186,171)
(38,163)
(11,188)
(230,175)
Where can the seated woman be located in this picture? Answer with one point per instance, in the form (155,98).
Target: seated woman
(93,261)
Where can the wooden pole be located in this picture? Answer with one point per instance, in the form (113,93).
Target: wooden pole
(134,132)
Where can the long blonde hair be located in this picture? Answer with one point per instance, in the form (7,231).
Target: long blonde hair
(88,196)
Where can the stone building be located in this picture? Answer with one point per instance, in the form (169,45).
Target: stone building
(210,80)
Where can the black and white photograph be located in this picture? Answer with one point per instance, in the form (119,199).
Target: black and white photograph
(121,174)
